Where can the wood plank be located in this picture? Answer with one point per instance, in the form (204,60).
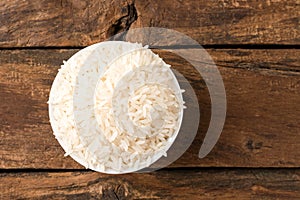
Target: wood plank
(263,99)
(262,125)
(60,22)
(225,22)
(174,184)
(81,23)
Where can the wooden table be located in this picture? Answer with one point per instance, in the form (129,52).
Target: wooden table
(255,44)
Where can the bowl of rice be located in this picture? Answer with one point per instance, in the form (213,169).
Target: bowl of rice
(116,107)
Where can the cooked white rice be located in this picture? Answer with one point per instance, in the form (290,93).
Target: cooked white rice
(115,107)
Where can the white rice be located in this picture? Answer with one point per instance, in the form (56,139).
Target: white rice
(115,107)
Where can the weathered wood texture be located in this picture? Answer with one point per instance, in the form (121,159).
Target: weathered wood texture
(262,126)
(177,184)
(81,23)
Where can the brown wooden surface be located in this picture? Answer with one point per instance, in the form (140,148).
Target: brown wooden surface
(178,184)
(262,84)
(81,23)
(262,125)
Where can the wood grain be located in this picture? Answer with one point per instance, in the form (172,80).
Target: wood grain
(170,184)
(225,22)
(61,22)
(261,130)
(81,23)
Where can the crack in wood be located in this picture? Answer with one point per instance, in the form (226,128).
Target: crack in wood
(123,23)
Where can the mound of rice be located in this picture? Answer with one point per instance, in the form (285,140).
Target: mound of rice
(115,107)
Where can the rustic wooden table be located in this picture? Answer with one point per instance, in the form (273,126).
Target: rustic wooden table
(254,44)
